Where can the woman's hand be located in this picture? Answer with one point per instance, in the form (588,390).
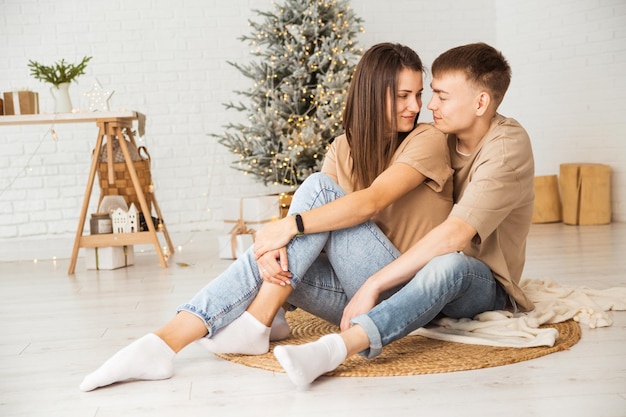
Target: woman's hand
(363,301)
(273,236)
(274,267)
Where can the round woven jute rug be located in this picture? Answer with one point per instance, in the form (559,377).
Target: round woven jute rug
(412,355)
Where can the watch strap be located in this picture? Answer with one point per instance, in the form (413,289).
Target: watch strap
(299,224)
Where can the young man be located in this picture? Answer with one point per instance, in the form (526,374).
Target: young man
(473,261)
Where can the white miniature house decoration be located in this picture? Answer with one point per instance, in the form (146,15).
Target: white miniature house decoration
(125,221)
(113,257)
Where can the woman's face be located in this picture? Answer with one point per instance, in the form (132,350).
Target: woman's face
(408,99)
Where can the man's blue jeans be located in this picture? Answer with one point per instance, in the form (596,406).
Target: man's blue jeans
(455,285)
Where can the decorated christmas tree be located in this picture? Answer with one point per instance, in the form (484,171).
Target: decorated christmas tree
(306,52)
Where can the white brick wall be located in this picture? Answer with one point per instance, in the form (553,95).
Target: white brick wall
(169,61)
(568,59)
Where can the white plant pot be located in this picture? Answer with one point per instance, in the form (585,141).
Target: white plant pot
(61,95)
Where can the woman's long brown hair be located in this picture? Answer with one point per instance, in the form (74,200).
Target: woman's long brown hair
(372,138)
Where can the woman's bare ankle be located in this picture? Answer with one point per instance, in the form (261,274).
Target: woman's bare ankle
(182,330)
(267,302)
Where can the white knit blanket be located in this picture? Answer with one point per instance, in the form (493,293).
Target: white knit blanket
(553,304)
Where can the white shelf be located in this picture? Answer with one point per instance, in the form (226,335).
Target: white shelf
(45,118)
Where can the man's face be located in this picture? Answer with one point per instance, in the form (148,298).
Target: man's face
(454,103)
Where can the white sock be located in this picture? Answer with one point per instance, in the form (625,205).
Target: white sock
(280,328)
(148,358)
(304,363)
(246,335)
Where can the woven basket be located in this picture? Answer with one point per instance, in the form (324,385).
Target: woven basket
(123,184)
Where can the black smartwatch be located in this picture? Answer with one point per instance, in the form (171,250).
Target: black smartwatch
(299,224)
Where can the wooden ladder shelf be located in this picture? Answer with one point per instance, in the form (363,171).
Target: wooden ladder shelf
(114,128)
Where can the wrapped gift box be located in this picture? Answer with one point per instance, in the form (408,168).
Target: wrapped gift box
(110,257)
(21,102)
(232,247)
(254,211)
(242,217)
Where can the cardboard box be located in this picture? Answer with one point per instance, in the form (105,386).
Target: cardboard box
(110,257)
(21,102)
(547,207)
(585,193)
(234,247)
(255,211)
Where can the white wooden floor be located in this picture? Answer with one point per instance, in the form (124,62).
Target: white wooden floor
(54,329)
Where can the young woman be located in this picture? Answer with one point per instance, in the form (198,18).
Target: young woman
(384,185)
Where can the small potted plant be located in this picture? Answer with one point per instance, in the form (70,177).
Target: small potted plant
(60,75)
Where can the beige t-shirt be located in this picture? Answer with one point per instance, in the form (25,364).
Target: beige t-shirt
(413,215)
(494,192)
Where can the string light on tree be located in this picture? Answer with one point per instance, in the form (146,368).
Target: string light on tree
(307,54)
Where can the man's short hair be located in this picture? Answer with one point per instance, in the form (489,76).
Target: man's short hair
(483,65)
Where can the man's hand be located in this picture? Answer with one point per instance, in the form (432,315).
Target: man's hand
(363,301)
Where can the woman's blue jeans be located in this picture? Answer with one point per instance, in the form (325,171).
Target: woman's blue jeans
(327,268)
